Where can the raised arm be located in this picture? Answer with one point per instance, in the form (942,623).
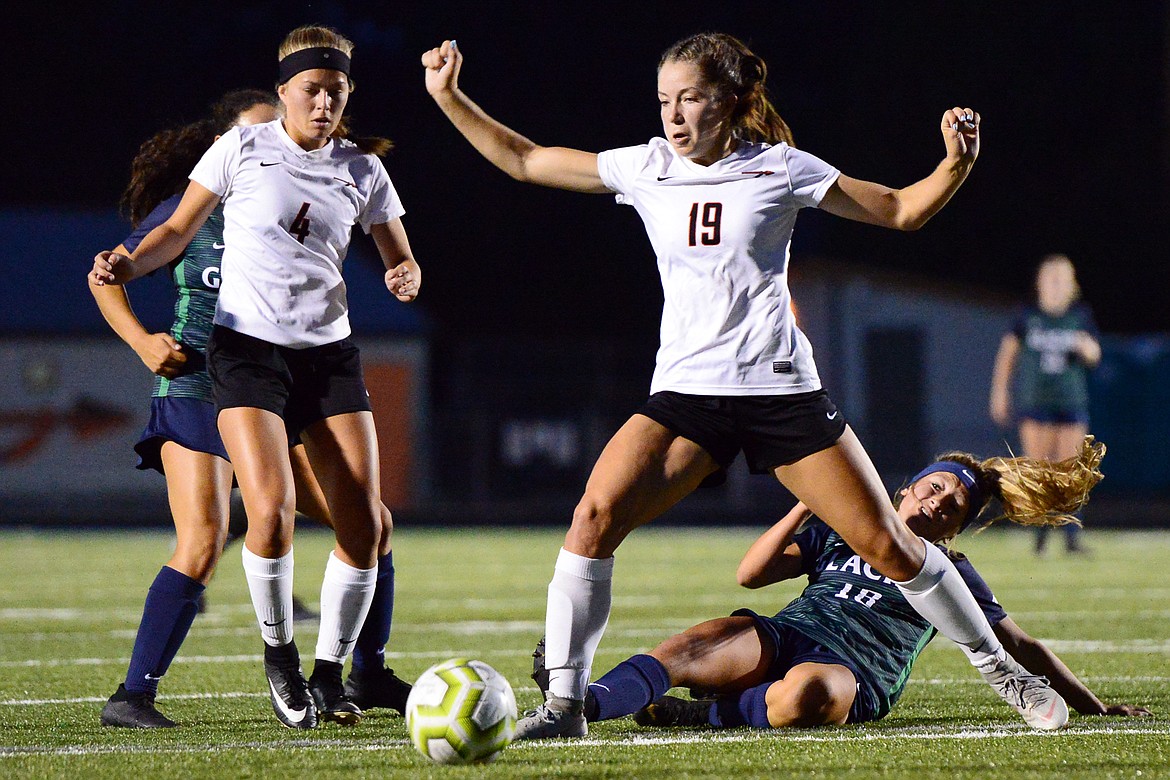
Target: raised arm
(774,557)
(1038,659)
(161,245)
(515,155)
(1001,378)
(910,207)
(158,351)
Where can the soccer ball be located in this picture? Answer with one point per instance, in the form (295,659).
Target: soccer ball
(461,712)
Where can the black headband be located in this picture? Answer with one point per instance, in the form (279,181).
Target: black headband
(310,59)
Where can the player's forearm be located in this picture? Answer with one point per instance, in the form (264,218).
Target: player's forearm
(765,561)
(923,199)
(502,146)
(114,306)
(160,246)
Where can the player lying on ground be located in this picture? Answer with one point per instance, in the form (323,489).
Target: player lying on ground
(843,650)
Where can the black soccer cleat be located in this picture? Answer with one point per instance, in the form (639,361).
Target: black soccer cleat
(289,693)
(672,711)
(380,689)
(539,672)
(329,695)
(132,710)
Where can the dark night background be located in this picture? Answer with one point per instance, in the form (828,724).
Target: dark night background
(1073,96)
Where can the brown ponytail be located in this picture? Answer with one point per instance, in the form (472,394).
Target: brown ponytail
(727,63)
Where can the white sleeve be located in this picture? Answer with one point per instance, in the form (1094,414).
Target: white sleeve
(216,169)
(618,168)
(384,204)
(809,176)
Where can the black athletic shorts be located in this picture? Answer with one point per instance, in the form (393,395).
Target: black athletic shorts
(301,385)
(771,430)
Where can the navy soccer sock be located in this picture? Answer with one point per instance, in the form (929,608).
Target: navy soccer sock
(369,652)
(626,688)
(748,709)
(171,606)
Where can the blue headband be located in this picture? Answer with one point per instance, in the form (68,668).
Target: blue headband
(966,477)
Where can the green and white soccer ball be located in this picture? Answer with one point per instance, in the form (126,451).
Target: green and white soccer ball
(461,712)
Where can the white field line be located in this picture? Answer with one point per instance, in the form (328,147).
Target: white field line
(520,689)
(680,738)
(1139,646)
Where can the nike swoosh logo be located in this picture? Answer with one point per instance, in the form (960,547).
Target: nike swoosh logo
(832,416)
(266,164)
(296,716)
(346,182)
(152,678)
(272,625)
(218,246)
(756,174)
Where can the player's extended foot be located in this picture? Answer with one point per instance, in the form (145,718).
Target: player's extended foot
(289,693)
(672,711)
(132,710)
(1030,694)
(539,672)
(557,717)
(333,703)
(380,688)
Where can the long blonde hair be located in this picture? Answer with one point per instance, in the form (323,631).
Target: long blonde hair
(1032,491)
(312,36)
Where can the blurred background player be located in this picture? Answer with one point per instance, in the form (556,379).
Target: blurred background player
(719,195)
(843,650)
(1047,355)
(280,355)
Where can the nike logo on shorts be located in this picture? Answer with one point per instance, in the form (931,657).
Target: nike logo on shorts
(832,416)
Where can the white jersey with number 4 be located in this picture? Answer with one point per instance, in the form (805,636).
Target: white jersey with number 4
(721,233)
(288,218)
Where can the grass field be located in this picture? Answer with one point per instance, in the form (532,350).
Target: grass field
(70,602)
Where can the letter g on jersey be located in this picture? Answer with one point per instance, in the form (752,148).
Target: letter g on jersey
(211,277)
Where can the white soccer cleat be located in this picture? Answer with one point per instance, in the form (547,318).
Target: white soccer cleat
(1030,694)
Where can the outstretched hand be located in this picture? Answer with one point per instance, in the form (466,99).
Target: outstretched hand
(111,268)
(1127,710)
(960,129)
(442,68)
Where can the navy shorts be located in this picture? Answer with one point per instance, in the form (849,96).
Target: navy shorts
(1057,416)
(794,647)
(302,386)
(771,430)
(188,422)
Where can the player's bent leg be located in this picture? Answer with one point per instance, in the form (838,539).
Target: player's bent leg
(810,695)
(643,470)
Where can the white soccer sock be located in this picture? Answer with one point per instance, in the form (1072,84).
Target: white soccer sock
(940,595)
(346,593)
(576,616)
(270,582)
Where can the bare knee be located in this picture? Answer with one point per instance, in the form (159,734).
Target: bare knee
(197,558)
(807,700)
(593,533)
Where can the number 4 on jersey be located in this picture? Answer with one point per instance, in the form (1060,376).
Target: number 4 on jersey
(300,225)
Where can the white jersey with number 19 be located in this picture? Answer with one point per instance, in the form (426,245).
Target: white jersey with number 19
(288,219)
(721,233)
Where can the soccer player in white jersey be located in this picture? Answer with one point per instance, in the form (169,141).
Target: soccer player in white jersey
(280,354)
(719,195)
